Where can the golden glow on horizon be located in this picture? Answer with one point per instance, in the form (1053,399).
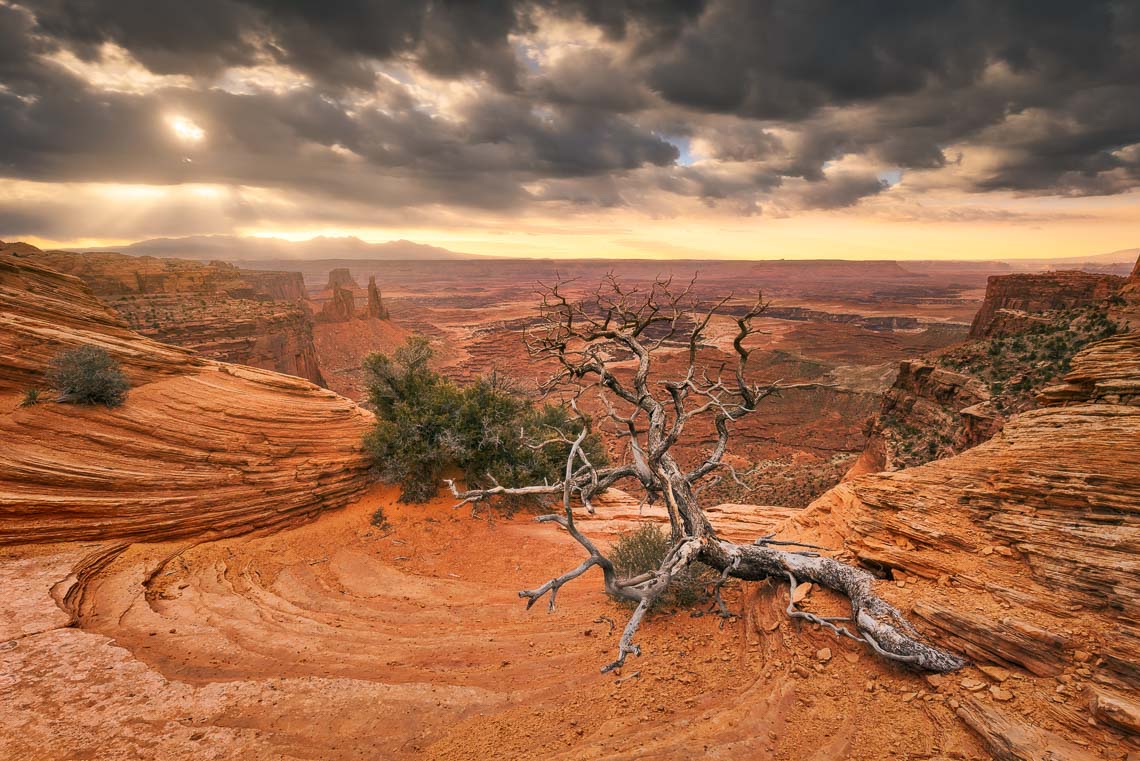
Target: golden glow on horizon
(947,227)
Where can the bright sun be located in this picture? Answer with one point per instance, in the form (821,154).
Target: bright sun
(185,130)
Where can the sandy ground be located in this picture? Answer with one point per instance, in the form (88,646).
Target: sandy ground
(339,640)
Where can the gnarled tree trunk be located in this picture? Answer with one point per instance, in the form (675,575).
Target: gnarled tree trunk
(583,337)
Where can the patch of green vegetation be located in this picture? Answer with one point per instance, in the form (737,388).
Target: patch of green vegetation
(1016,367)
(426,424)
(31,397)
(88,375)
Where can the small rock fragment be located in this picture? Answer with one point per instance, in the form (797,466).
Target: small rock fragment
(997,673)
(823,654)
(1000,695)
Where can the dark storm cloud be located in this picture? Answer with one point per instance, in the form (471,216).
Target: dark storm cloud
(841,191)
(334,42)
(919,72)
(776,92)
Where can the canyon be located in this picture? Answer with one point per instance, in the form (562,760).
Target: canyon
(198,573)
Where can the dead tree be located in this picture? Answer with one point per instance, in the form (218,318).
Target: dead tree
(589,338)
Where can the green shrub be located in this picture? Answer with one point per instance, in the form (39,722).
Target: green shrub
(644,549)
(426,425)
(88,375)
(31,397)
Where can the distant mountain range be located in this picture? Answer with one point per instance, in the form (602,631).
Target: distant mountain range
(234,248)
(1124,255)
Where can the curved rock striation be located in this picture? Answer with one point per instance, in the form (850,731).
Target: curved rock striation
(43,312)
(200,449)
(218,451)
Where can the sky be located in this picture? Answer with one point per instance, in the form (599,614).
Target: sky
(616,128)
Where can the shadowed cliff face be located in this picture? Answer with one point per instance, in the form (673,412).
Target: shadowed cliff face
(200,448)
(222,312)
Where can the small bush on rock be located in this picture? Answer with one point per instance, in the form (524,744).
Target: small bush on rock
(644,549)
(88,375)
(31,397)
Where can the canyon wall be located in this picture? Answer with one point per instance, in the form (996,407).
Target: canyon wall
(1011,300)
(1028,547)
(200,449)
(1023,339)
(249,317)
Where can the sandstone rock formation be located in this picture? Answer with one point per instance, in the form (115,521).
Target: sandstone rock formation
(341,277)
(222,312)
(1032,541)
(340,308)
(201,449)
(928,408)
(339,300)
(44,312)
(335,639)
(1012,300)
(1023,338)
(376,308)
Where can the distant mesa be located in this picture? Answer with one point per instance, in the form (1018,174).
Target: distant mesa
(1011,300)
(341,277)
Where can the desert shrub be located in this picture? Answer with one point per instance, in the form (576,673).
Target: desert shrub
(31,397)
(379,520)
(426,424)
(643,549)
(88,375)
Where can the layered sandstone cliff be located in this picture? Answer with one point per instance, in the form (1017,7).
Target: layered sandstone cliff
(200,449)
(249,317)
(1025,554)
(1014,303)
(929,411)
(1023,340)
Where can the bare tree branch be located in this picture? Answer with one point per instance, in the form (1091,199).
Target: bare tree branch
(588,338)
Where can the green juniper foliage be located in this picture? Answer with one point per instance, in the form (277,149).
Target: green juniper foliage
(88,375)
(426,424)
